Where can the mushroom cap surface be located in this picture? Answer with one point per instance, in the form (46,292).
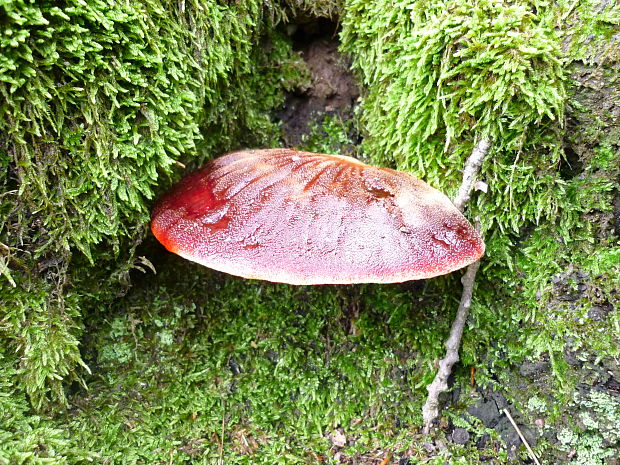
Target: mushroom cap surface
(305,218)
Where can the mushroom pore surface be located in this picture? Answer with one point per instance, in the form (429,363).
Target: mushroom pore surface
(304,218)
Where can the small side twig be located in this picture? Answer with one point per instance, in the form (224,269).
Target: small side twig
(525,443)
(430,411)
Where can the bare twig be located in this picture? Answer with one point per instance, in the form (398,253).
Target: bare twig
(221,444)
(430,411)
(525,443)
(472,166)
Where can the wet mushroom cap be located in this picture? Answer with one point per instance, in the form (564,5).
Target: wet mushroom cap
(305,218)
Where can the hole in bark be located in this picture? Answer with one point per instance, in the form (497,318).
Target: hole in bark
(570,165)
(332,91)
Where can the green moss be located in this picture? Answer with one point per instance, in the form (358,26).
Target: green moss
(192,365)
(28,438)
(441,74)
(591,26)
(98,101)
(316,8)
(330,135)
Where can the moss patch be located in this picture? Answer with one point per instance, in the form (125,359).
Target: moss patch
(99,100)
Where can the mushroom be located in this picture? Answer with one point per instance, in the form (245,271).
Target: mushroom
(294,217)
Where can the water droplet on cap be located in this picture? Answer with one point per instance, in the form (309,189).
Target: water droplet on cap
(214,216)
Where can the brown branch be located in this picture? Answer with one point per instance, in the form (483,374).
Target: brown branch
(430,411)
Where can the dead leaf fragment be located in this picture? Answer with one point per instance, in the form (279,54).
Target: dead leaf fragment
(338,438)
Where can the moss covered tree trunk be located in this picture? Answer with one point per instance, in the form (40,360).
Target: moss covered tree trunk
(103,102)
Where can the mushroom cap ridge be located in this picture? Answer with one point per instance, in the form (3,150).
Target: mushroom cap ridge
(304,218)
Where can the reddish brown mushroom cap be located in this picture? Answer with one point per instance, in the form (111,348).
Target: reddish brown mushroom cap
(306,218)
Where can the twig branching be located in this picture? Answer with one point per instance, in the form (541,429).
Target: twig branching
(430,411)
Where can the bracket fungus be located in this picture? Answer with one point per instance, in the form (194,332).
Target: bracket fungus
(305,218)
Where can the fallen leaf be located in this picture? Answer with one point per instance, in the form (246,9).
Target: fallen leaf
(338,438)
